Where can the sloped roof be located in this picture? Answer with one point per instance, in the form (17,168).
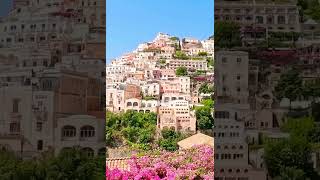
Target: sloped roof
(119,163)
(197,139)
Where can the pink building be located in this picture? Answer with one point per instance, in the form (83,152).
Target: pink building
(167,73)
(168,49)
(176,118)
(170,86)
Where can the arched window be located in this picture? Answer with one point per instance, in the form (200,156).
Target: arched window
(68,131)
(87,131)
(135,104)
(88,151)
(129,104)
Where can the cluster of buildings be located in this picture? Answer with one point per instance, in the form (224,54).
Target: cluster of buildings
(247,113)
(52,77)
(145,80)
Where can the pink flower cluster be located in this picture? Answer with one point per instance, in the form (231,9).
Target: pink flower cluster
(195,163)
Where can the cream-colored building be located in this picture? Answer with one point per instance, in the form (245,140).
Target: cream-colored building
(273,15)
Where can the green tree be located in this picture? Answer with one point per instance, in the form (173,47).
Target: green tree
(210,61)
(291,173)
(202,54)
(227,34)
(181,55)
(204,118)
(135,128)
(73,164)
(181,71)
(287,153)
(169,144)
(289,86)
(208,103)
(206,88)
(174,38)
(8,165)
(168,133)
(292,157)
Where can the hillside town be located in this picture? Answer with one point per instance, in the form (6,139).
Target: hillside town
(52,77)
(266,89)
(168,81)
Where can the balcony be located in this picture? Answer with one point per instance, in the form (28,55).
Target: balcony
(15,116)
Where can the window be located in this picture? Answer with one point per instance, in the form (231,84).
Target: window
(259,20)
(88,151)
(281,20)
(15,105)
(222,114)
(40,145)
(39,126)
(14,127)
(224,60)
(87,131)
(68,131)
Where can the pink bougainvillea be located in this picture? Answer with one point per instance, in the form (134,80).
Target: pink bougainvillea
(195,163)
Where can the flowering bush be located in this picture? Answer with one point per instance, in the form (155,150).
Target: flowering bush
(195,163)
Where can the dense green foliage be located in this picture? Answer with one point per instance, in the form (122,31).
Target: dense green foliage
(202,54)
(169,139)
(181,55)
(291,157)
(174,38)
(69,164)
(227,34)
(210,61)
(310,8)
(204,118)
(181,71)
(289,86)
(208,103)
(206,88)
(149,98)
(130,128)
(293,153)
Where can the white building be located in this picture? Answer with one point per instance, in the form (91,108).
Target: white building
(208,46)
(151,89)
(81,130)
